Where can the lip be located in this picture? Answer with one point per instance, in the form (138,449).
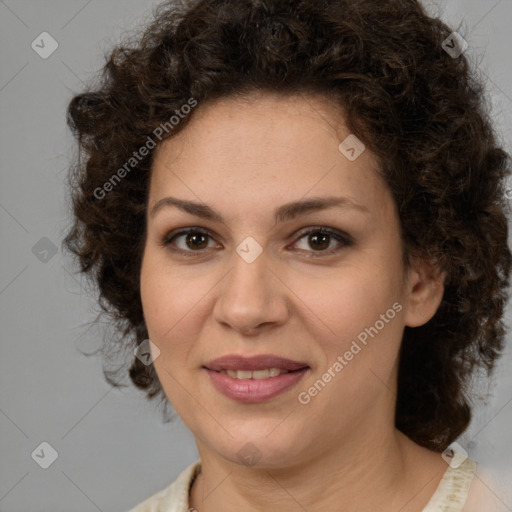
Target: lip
(254,390)
(260,362)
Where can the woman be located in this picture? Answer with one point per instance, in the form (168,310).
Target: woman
(294,212)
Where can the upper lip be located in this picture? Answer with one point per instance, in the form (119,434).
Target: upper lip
(260,362)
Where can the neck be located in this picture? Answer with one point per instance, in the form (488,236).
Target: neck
(384,472)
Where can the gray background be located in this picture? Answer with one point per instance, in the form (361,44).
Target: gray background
(113,450)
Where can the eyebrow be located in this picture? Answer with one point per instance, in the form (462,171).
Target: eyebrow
(283,213)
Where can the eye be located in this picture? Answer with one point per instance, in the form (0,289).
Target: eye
(192,240)
(320,239)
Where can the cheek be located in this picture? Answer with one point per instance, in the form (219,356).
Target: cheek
(172,302)
(160,303)
(163,308)
(155,298)
(361,323)
(350,301)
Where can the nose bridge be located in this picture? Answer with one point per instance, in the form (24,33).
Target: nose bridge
(250,295)
(249,280)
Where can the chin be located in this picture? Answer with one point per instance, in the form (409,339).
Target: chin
(252,446)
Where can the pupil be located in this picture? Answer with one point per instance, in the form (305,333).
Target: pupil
(320,240)
(315,240)
(193,237)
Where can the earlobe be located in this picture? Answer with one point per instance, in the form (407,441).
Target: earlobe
(425,290)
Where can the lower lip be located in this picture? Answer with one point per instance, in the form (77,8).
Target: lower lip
(255,390)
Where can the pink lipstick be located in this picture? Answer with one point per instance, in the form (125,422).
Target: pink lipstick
(254,379)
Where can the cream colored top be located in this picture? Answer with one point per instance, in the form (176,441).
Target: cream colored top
(450,496)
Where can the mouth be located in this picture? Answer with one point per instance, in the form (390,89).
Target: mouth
(254,379)
(255,374)
(261,362)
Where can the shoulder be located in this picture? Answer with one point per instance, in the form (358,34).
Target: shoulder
(452,491)
(173,498)
(490,490)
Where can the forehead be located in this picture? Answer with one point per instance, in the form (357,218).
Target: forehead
(235,125)
(264,146)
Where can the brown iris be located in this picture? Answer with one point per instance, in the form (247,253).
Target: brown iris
(319,239)
(195,238)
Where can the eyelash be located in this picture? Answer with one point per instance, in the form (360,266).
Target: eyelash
(339,236)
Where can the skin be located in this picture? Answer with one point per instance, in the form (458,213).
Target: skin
(245,157)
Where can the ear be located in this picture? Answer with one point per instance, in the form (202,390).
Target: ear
(424,292)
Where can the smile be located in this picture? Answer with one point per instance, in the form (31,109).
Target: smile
(252,379)
(254,386)
(256,374)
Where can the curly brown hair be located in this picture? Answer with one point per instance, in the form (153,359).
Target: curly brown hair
(419,109)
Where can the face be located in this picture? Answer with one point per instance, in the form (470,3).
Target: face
(256,273)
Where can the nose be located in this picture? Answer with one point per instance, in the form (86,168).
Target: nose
(252,298)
